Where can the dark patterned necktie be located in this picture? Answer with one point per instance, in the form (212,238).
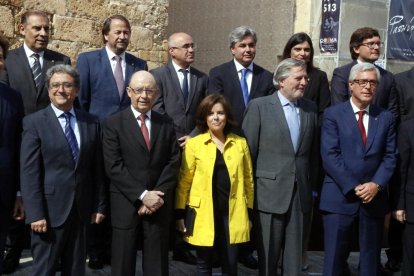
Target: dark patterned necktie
(184,88)
(36,70)
(70,136)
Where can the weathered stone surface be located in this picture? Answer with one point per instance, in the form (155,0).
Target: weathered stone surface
(91,8)
(76,29)
(6,22)
(141,38)
(50,6)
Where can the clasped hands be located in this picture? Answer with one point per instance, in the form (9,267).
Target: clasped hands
(366,192)
(151,202)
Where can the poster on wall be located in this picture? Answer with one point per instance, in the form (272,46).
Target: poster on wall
(401,30)
(328,40)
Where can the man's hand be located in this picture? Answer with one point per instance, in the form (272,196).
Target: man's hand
(39,226)
(399,215)
(97,218)
(183,140)
(143,210)
(153,200)
(18,210)
(366,192)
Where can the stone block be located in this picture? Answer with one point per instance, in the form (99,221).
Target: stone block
(49,6)
(141,38)
(76,29)
(6,22)
(91,8)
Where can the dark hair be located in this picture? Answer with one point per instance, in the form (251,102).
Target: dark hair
(107,24)
(4,44)
(205,108)
(296,39)
(358,37)
(25,16)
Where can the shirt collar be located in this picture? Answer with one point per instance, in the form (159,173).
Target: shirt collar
(137,113)
(59,112)
(240,67)
(29,51)
(177,68)
(283,100)
(111,54)
(356,109)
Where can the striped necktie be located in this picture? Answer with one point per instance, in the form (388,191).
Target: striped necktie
(36,70)
(70,136)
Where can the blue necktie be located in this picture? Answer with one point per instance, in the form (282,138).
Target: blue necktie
(184,88)
(244,86)
(293,123)
(70,136)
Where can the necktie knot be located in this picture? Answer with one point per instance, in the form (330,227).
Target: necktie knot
(184,71)
(117,58)
(35,56)
(144,130)
(142,117)
(244,71)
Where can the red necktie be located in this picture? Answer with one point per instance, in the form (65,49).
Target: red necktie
(144,130)
(361,126)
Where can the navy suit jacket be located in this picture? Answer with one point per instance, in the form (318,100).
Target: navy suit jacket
(348,162)
(51,182)
(18,75)
(386,96)
(11,114)
(405,88)
(224,79)
(171,101)
(98,90)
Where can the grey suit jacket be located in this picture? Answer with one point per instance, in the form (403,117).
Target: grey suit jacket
(18,75)
(276,165)
(171,101)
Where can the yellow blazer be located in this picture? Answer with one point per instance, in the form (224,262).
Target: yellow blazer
(195,187)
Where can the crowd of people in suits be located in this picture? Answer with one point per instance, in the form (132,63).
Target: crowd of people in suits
(224,164)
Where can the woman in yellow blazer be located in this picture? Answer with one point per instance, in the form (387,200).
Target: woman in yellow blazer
(216,181)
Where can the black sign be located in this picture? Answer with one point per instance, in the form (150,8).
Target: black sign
(401,30)
(328,41)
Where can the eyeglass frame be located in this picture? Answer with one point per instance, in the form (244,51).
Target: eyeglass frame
(139,91)
(371,45)
(363,82)
(66,85)
(186,46)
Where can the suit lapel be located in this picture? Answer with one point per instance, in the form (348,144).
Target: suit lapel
(108,74)
(26,71)
(132,128)
(176,83)
(193,84)
(255,82)
(304,122)
(83,133)
(372,126)
(155,128)
(353,123)
(234,78)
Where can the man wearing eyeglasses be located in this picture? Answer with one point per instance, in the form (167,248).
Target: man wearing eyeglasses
(358,150)
(142,157)
(181,89)
(365,46)
(61,175)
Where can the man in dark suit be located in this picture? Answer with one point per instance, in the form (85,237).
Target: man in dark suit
(105,72)
(181,90)
(405,87)
(358,150)
(11,114)
(61,170)
(141,158)
(176,98)
(365,45)
(25,72)
(241,80)
(281,130)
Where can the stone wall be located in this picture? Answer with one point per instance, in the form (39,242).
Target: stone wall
(76,25)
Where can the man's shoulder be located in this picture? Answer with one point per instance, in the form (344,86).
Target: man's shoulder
(86,116)
(222,67)
(55,55)
(198,73)
(344,69)
(135,60)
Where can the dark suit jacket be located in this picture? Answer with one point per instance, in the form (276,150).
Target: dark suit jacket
(224,79)
(98,90)
(318,90)
(405,87)
(18,75)
(403,195)
(386,96)
(348,162)
(171,102)
(50,180)
(275,163)
(11,114)
(133,169)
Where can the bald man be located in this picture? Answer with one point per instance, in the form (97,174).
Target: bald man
(142,157)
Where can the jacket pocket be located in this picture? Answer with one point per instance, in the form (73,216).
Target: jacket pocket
(266,174)
(194,201)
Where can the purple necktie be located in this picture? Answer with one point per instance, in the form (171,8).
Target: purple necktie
(119,77)
(144,130)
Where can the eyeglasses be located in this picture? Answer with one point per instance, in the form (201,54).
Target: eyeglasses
(186,46)
(65,85)
(372,45)
(363,83)
(139,91)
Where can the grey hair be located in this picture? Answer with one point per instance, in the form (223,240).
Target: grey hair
(363,67)
(284,68)
(241,32)
(62,69)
